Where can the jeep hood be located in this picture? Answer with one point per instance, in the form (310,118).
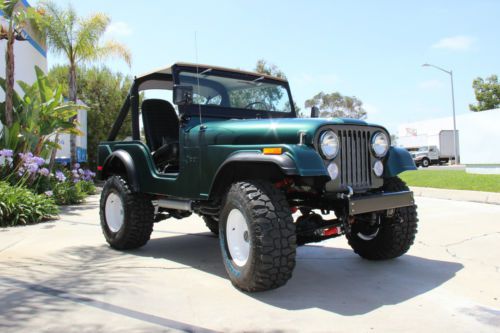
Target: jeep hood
(269,131)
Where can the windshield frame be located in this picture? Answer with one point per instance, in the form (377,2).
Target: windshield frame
(218,111)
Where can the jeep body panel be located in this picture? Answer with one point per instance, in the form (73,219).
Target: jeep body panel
(206,149)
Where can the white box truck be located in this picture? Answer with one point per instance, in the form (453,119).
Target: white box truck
(438,150)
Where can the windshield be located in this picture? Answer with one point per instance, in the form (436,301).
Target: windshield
(243,92)
(423,149)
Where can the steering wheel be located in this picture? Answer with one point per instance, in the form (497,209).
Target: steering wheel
(255,103)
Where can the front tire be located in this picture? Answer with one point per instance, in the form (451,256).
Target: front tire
(257,236)
(392,236)
(126,217)
(426,162)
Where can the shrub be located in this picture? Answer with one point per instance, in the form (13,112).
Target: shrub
(87,187)
(67,193)
(19,205)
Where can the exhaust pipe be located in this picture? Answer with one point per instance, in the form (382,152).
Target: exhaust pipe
(186,205)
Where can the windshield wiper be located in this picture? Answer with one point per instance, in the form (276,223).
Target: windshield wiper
(208,70)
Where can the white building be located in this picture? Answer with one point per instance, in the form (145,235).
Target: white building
(478,133)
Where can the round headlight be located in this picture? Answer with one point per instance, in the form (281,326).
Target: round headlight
(329,144)
(380,144)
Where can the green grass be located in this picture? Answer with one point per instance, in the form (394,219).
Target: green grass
(452,179)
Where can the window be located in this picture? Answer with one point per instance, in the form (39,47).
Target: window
(245,92)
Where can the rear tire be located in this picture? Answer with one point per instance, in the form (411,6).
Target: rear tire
(126,217)
(393,236)
(212,224)
(257,236)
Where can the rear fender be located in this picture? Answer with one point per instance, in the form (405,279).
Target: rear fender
(120,162)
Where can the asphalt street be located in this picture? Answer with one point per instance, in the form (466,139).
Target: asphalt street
(61,276)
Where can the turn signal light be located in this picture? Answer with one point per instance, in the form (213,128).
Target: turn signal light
(272,151)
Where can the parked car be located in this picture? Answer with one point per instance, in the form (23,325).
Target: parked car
(235,153)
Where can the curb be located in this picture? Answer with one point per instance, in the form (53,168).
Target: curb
(458,195)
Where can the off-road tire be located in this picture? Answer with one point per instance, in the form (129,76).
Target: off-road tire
(395,235)
(271,232)
(138,216)
(425,163)
(212,224)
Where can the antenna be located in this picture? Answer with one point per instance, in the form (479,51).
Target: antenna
(197,74)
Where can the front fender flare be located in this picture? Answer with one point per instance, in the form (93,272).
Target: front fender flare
(397,161)
(284,162)
(128,163)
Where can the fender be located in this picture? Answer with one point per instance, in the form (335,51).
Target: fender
(284,162)
(397,161)
(125,159)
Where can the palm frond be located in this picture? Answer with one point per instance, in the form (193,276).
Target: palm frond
(87,36)
(113,49)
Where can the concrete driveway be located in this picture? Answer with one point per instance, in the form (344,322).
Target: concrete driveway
(62,277)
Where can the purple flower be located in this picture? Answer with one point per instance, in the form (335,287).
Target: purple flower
(60,176)
(49,193)
(77,165)
(32,167)
(44,172)
(7,153)
(80,171)
(20,172)
(38,160)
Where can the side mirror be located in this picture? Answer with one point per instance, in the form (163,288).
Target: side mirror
(183,95)
(314,112)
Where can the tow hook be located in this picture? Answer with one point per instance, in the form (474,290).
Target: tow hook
(347,195)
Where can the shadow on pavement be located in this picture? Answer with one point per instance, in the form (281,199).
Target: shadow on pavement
(333,279)
(80,275)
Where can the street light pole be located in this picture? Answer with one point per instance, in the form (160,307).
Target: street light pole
(455,147)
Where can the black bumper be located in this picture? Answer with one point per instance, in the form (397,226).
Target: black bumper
(383,201)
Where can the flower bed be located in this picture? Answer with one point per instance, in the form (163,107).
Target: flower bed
(30,193)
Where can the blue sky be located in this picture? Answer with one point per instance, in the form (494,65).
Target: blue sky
(370,49)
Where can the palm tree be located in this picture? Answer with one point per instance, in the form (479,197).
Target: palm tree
(79,40)
(16,20)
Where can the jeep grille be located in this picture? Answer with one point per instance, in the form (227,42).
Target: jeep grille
(355,168)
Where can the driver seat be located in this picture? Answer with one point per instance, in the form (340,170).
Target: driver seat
(161,128)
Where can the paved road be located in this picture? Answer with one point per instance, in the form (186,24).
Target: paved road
(61,277)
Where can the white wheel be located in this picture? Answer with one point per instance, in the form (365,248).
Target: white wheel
(368,237)
(238,238)
(114,212)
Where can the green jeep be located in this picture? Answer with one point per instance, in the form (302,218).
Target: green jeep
(236,154)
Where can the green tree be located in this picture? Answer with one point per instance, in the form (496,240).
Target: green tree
(103,91)
(78,39)
(337,105)
(487,94)
(16,20)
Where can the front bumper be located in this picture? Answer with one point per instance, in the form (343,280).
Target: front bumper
(377,202)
